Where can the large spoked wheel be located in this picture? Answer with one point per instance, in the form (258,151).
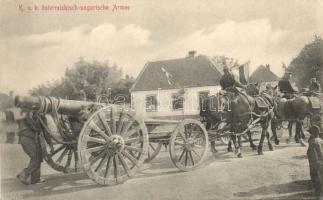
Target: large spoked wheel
(153,150)
(188,144)
(112,145)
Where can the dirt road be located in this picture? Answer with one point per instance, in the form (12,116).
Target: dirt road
(281,174)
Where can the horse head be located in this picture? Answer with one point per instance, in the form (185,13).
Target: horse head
(253,88)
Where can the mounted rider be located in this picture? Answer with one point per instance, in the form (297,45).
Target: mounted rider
(285,86)
(315,87)
(228,81)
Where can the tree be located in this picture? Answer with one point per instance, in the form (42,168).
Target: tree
(88,80)
(44,89)
(223,61)
(308,63)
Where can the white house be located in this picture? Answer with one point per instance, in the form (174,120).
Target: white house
(172,89)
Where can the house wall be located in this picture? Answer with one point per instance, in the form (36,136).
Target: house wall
(164,100)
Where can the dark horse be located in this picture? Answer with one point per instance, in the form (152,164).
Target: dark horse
(296,109)
(240,112)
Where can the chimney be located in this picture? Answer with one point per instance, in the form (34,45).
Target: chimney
(191,54)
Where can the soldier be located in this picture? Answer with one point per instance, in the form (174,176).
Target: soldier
(315,86)
(29,139)
(315,158)
(286,87)
(228,81)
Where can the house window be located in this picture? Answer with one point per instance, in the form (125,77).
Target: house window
(151,103)
(202,97)
(177,102)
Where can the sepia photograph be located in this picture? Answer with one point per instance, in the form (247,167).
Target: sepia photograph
(161,100)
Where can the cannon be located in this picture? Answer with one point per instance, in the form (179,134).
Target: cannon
(110,142)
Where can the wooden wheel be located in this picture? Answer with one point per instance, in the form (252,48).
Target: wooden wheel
(61,157)
(153,150)
(188,144)
(112,145)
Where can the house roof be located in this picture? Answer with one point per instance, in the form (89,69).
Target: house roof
(196,71)
(263,74)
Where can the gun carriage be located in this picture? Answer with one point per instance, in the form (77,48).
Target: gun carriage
(109,142)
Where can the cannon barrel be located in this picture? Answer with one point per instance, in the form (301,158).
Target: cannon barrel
(52,104)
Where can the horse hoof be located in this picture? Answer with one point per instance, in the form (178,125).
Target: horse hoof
(271,149)
(230,150)
(260,153)
(277,142)
(239,155)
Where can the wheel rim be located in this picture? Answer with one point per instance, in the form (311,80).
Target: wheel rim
(189,144)
(112,145)
(153,150)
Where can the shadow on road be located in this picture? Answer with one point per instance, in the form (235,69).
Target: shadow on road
(55,184)
(292,190)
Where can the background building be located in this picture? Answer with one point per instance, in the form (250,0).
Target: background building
(173,89)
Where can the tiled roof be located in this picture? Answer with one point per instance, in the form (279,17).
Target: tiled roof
(194,71)
(263,74)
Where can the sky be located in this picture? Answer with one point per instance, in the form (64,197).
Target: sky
(37,46)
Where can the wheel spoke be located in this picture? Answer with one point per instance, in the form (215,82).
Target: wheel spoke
(76,160)
(57,150)
(106,126)
(196,154)
(182,135)
(116,168)
(107,169)
(179,143)
(151,146)
(199,146)
(131,132)
(93,139)
(98,130)
(124,164)
(95,149)
(121,121)
(60,158)
(103,160)
(133,148)
(69,158)
(132,140)
(186,153)
(130,157)
(180,158)
(113,121)
(190,153)
(128,125)
(96,158)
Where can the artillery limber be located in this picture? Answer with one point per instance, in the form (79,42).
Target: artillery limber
(110,142)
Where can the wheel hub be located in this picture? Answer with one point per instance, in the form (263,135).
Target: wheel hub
(189,144)
(116,144)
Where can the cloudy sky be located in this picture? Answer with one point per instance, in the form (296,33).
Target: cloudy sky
(37,46)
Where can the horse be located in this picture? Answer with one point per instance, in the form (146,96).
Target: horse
(240,112)
(291,110)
